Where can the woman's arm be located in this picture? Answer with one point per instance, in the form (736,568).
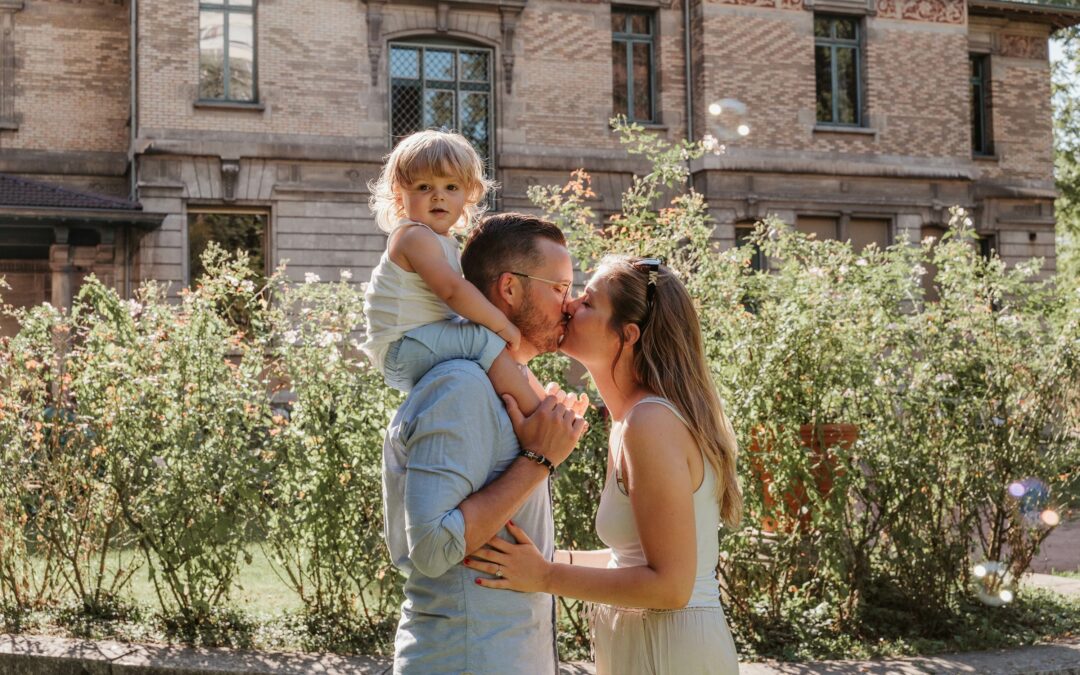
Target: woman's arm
(423,253)
(599,558)
(656,447)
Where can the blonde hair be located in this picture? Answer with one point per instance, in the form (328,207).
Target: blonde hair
(669,360)
(438,153)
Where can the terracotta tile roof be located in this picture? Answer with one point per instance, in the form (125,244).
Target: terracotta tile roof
(26,193)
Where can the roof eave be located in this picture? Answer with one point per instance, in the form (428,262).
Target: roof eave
(1058,16)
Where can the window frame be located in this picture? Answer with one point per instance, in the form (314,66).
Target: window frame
(981,82)
(629,39)
(212,209)
(457,47)
(227,8)
(857,45)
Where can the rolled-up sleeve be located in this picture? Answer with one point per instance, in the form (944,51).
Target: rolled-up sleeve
(449,456)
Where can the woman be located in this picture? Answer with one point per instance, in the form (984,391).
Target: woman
(670,481)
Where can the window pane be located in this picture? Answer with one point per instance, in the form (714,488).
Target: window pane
(405,109)
(619,77)
(642,81)
(847,81)
(976,119)
(211,55)
(231,231)
(845,28)
(404,62)
(824,228)
(438,65)
(474,66)
(474,121)
(618,22)
(821,27)
(239,3)
(438,109)
(241,56)
(823,75)
(865,231)
(639,24)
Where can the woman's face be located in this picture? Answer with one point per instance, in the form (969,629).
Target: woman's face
(589,337)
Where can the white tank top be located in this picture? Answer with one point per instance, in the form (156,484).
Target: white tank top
(397,301)
(616,527)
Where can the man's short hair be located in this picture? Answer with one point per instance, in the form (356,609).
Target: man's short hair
(505,242)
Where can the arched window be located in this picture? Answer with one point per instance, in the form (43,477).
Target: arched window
(436,86)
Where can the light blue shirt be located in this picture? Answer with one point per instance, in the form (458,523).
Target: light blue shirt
(449,439)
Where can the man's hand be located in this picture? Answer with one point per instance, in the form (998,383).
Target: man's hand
(552,430)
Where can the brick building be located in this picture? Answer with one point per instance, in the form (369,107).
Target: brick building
(133,131)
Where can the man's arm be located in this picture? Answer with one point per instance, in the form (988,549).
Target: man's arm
(552,431)
(450,457)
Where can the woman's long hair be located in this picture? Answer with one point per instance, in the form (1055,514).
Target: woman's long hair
(438,153)
(669,359)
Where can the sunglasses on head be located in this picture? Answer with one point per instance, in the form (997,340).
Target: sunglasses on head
(650,266)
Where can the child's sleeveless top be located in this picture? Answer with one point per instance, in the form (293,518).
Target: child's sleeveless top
(397,301)
(617,528)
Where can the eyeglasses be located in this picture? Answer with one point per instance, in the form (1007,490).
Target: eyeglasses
(562,287)
(651,266)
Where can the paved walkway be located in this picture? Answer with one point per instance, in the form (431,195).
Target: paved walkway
(39,655)
(1061,550)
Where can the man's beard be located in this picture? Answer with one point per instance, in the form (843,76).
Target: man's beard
(534,328)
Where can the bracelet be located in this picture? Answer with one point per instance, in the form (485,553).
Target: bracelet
(538,458)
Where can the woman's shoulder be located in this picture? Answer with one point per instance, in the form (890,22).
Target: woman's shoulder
(654,425)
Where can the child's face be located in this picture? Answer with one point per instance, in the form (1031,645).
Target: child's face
(436,201)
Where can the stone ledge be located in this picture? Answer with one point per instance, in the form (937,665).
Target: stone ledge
(41,655)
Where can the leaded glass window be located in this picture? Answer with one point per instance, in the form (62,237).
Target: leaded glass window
(227,51)
(980,98)
(838,70)
(632,64)
(441,87)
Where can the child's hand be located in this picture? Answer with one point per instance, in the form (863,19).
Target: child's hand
(579,403)
(512,336)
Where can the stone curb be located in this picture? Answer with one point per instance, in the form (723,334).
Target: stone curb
(44,655)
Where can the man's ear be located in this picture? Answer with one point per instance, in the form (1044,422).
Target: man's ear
(508,289)
(631,333)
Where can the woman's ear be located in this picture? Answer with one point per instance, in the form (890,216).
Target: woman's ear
(631,333)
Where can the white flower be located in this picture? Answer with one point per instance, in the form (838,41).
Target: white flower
(134,308)
(918,270)
(997,421)
(944,378)
(291,336)
(815,272)
(346,275)
(247,286)
(712,144)
(328,338)
(861,262)
(233,281)
(160,461)
(843,269)
(929,241)
(967,222)
(311,278)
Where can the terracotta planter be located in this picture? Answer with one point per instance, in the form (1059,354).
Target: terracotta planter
(820,442)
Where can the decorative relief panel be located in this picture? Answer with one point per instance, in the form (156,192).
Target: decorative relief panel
(748,3)
(1024,47)
(791,4)
(934,11)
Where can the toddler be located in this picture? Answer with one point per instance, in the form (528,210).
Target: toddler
(432,183)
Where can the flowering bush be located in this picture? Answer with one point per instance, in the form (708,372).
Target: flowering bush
(962,404)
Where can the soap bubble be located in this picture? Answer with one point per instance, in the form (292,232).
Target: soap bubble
(1050,518)
(728,120)
(1032,496)
(993,584)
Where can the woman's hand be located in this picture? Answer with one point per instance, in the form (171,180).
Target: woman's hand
(579,403)
(515,567)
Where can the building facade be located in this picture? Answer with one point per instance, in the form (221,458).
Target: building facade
(258,123)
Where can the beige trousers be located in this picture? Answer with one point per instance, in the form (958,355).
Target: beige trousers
(690,641)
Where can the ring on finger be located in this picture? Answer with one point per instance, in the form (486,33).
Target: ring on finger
(498,571)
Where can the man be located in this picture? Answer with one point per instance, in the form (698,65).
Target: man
(454,472)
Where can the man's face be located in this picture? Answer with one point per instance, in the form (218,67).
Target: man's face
(541,315)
